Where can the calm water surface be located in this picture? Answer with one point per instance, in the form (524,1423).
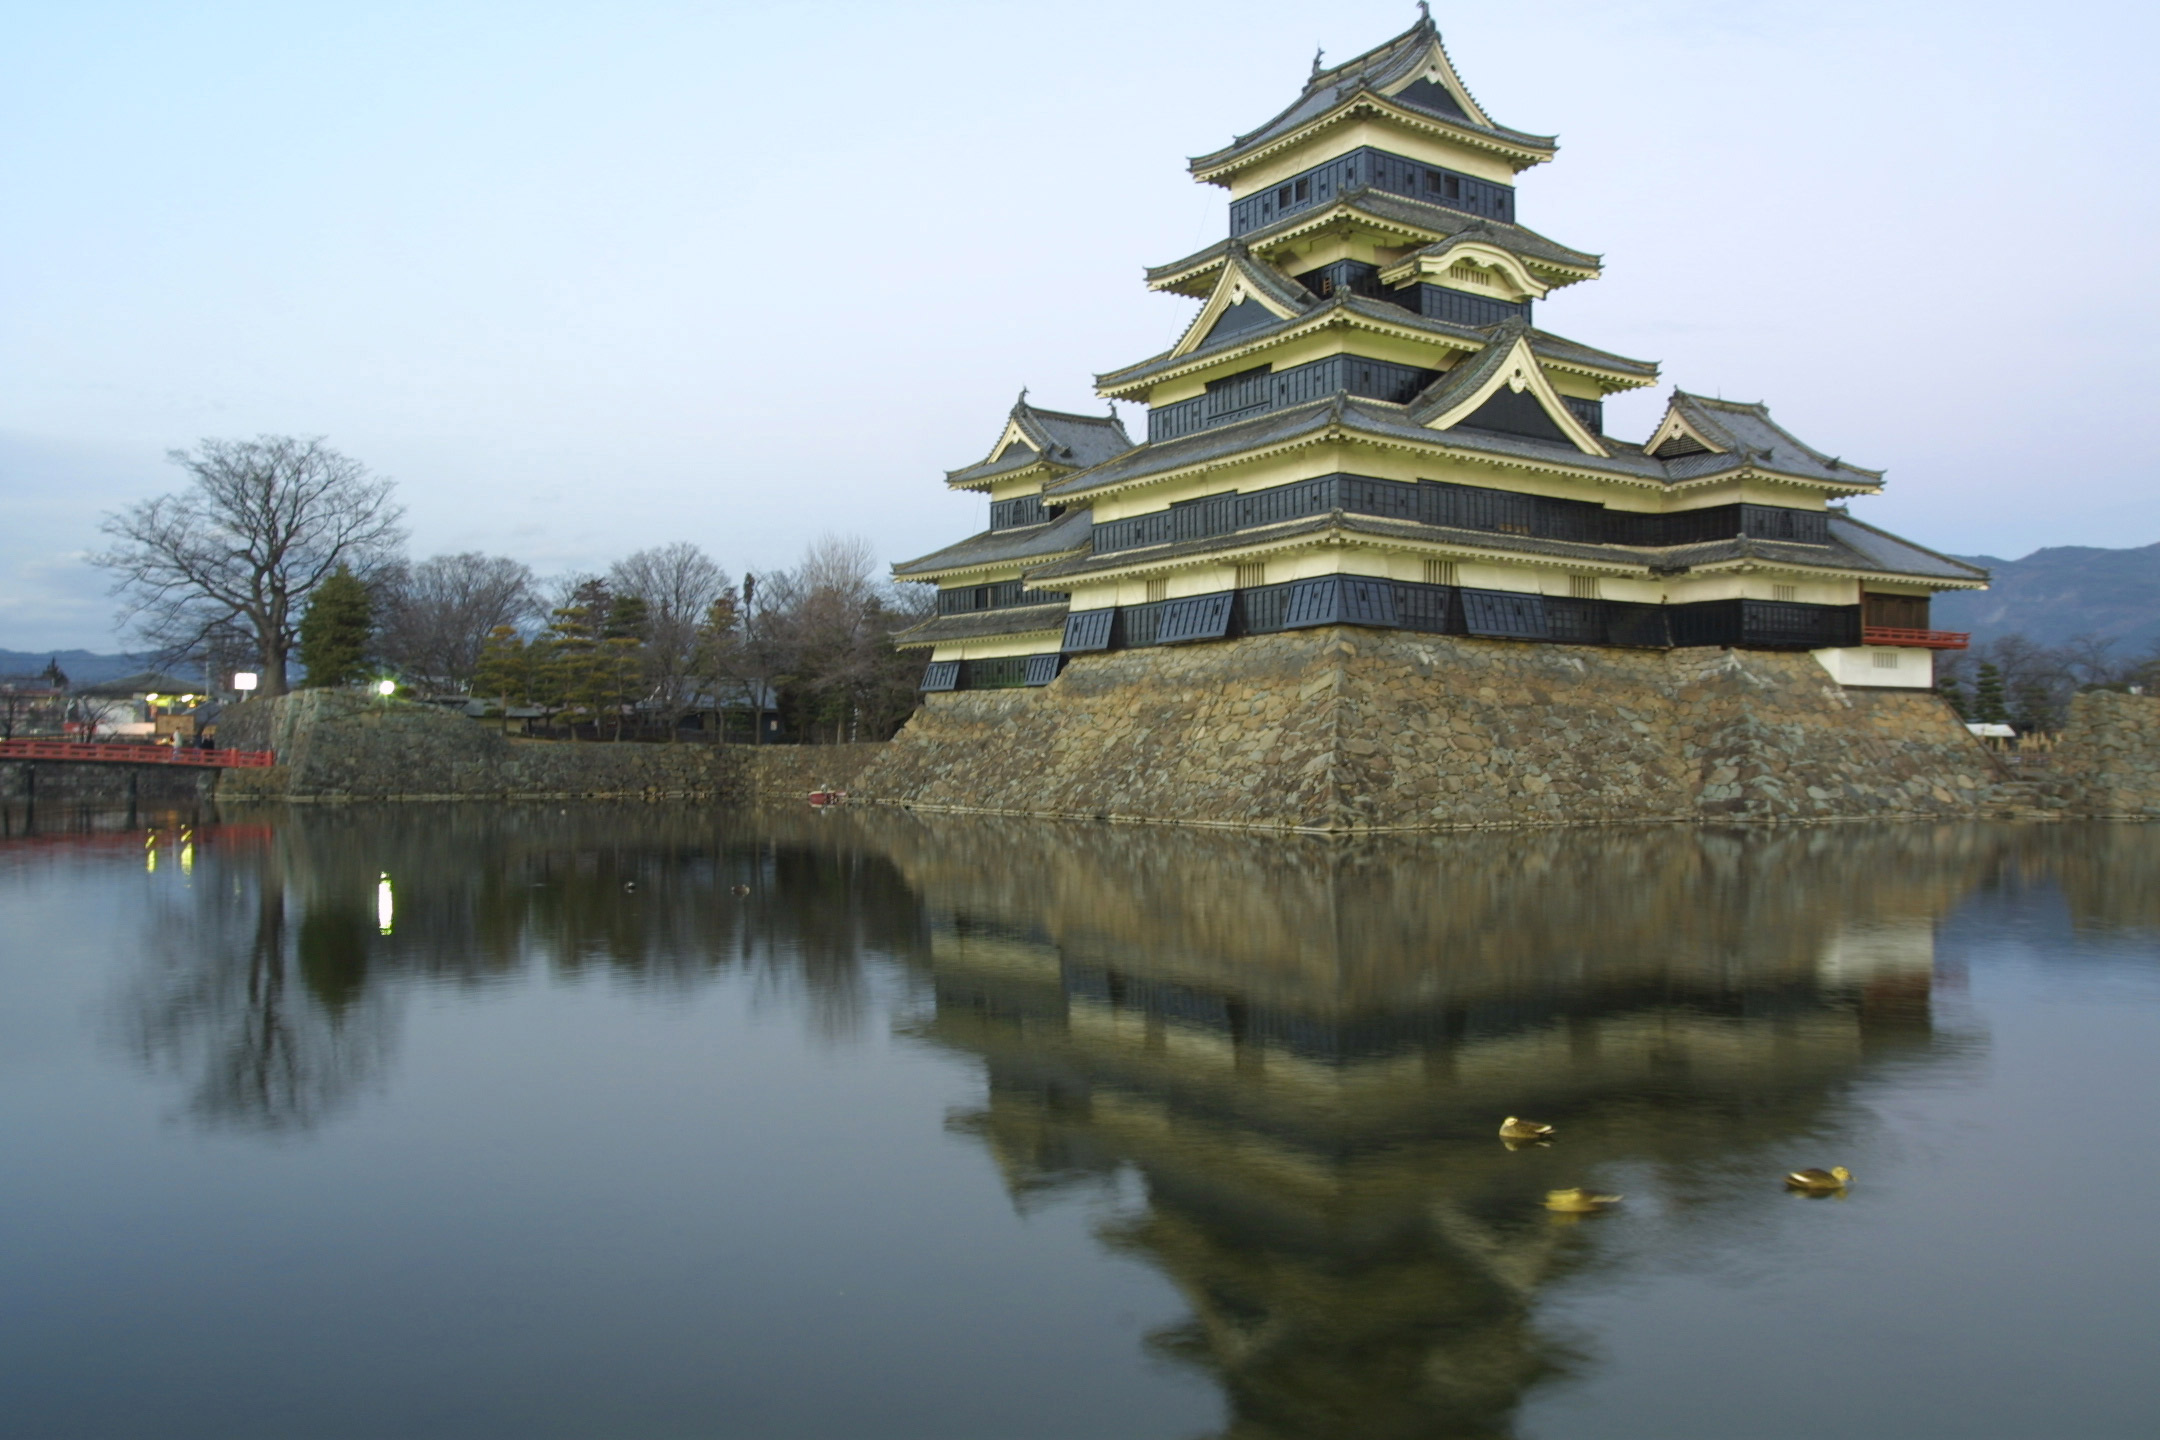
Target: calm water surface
(635,1122)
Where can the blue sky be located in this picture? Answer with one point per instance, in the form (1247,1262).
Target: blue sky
(586,278)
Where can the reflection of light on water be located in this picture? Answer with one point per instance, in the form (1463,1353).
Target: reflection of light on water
(187,852)
(149,846)
(385,905)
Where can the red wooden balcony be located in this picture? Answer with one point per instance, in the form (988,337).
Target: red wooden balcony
(1915,639)
(134,754)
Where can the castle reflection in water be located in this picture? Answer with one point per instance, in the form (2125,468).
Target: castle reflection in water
(1300,1047)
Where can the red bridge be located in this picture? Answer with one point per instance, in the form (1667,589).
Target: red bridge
(134,754)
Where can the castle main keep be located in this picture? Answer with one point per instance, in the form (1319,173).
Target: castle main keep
(1365,429)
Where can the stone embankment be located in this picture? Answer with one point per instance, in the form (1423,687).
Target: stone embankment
(1353,730)
(336,746)
(2108,761)
(1325,730)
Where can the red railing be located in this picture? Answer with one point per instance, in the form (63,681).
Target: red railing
(1918,639)
(134,754)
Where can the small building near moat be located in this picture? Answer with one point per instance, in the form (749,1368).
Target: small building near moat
(1366,424)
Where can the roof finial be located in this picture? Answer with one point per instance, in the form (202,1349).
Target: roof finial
(1316,54)
(1424,13)
(1022,401)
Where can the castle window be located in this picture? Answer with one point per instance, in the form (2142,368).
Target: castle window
(1583,587)
(1787,593)
(1157,591)
(1252,575)
(1441,572)
(1886,659)
(1304,188)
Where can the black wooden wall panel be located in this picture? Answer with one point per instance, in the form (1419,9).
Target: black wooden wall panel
(1463,507)
(1260,390)
(1502,614)
(1460,307)
(1012,514)
(1088,630)
(1194,617)
(969,599)
(1002,672)
(941,675)
(1430,609)
(1381,170)
(1042,669)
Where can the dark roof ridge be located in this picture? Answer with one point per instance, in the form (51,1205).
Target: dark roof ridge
(1693,407)
(1327,90)
(1840,513)
(1468,375)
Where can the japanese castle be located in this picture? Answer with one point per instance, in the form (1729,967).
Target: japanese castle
(1365,425)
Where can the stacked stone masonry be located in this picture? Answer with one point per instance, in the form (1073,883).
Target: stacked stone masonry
(1341,729)
(335,746)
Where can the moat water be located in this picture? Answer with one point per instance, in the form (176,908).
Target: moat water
(636,1122)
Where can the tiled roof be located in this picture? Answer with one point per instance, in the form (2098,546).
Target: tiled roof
(1453,385)
(1057,437)
(1787,456)
(1745,430)
(1375,70)
(982,624)
(1403,211)
(1067,532)
(1896,554)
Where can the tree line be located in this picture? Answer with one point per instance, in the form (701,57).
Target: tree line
(280,549)
(2028,686)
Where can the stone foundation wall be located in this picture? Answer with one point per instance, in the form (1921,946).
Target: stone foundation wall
(1342,729)
(332,745)
(2108,761)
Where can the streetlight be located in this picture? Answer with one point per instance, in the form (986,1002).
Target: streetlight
(386,688)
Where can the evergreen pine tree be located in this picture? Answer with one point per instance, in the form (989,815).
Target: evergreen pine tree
(504,669)
(1988,705)
(1952,691)
(334,633)
(2034,709)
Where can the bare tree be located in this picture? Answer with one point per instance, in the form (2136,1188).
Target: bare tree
(679,584)
(826,632)
(438,613)
(262,523)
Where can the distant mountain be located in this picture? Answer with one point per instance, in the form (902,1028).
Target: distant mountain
(83,667)
(2066,590)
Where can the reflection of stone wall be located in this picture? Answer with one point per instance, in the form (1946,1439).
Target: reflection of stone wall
(337,746)
(1338,729)
(1343,926)
(2109,761)
(76,782)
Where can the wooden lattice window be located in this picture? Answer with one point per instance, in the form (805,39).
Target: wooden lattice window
(1441,572)
(1786,593)
(1582,587)
(1252,575)
(1157,591)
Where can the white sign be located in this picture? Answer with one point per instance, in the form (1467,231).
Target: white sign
(244,681)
